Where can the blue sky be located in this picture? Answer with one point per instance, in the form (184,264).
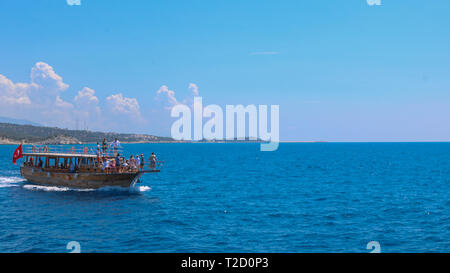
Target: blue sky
(340,70)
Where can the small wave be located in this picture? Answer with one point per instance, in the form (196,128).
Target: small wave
(135,189)
(130,189)
(143,188)
(10,181)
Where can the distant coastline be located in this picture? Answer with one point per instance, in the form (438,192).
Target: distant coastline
(11,133)
(15,134)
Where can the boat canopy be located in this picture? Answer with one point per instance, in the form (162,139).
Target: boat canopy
(61,155)
(68,151)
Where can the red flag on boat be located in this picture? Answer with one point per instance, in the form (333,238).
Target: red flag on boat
(17,154)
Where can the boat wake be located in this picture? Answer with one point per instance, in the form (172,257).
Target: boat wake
(143,188)
(52,188)
(10,181)
(14,181)
(135,189)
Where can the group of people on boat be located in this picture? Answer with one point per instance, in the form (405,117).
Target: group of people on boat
(120,164)
(103,150)
(105,160)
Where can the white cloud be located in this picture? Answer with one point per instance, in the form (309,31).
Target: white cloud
(44,76)
(374,2)
(73,2)
(86,97)
(13,94)
(87,107)
(168,97)
(45,87)
(63,104)
(121,105)
(194,89)
(40,100)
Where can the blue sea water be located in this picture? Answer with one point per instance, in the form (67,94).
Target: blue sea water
(305,197)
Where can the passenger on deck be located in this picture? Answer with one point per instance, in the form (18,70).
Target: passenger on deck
(106,166)
(142,162)
(138,162)
(71,167)
(104,147)
(113,165)
(117,161)
(152,161)
(132,163)
(40,163)
(125,166)
(99,162)
(116,146)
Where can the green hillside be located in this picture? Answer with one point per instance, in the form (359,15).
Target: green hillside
(31,134)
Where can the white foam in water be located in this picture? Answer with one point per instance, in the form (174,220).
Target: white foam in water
(14,181)
(51,188)
(144,188)
(130,189)
(113,189)
(44,188)
(10,181)
(64,189)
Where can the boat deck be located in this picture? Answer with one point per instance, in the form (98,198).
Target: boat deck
(96,170)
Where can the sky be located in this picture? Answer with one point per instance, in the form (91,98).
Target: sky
(339,70)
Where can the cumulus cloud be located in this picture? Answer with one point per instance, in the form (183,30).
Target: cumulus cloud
(73,2)
(86,97)
(36,99)
(44,87)
(121,105)
(194,89)
(44,76)
(164,94)
(40,100)
(86,103)
(12,94)
(62,104)
(168,97)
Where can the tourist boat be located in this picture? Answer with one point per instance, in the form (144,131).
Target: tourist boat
(87,174)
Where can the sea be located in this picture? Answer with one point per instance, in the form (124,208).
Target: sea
(231,197)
